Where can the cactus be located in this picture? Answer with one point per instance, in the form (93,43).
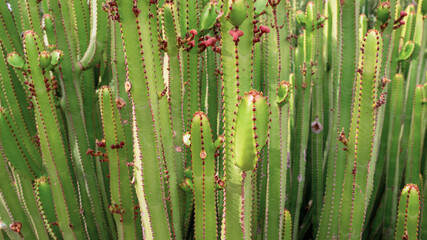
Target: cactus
(360,140)
(213,119)
(408,215)
(203,166)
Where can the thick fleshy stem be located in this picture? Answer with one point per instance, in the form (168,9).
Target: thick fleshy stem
(304,92)
(361,138)
(203,166)
(121,191)
(408,215)
(52,146)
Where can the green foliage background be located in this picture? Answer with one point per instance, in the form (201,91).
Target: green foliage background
(228,119)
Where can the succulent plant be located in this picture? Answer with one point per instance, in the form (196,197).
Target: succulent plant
(213,119)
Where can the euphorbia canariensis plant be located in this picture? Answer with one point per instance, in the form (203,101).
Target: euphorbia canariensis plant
(213,119)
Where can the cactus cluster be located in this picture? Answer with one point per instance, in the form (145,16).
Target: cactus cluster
(213,119)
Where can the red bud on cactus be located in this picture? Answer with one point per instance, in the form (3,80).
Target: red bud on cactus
(236,34)
(209,42)
(264,29)
(89,152)
(192,43)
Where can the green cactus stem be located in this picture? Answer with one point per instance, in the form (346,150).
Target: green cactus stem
(248,137)
(46,206)
(393,165)
(203,166)
(303,94)
(122,204)
(287,225)
(53,151)
(250,133)
(413,164)
(11,208)
(104,108)
(361,136)
(345,75)
(278,66)
(140,49)
(408,215)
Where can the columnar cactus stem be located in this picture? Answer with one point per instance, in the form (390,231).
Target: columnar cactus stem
(304,89)
(74,97)
(46,206)
(175,92)
(49,30)
(287,225)
(236,26)
(250,132)
(137,19)
(53,151)
(411,33)
(10,28)
(395,43)
(16,119)
(279,91)
(189,20)
(361,136)
(203,166)
(413,163)
(318,117)
(390,10)
(393,165)
(15,151)
(122,205)
(89,54)
(213,91)
(414,78)
(423,228)
(408,215)
(11,209)
(30,14)
(347,56)
(96,131)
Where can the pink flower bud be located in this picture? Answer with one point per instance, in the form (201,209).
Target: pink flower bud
(192,43)
(193,32)
(209,42)
(240,33)
(264,29)
(89,152)
(234,34)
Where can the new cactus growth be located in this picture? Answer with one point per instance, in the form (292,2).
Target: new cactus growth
(213,119)
(250,133)
(408,215)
